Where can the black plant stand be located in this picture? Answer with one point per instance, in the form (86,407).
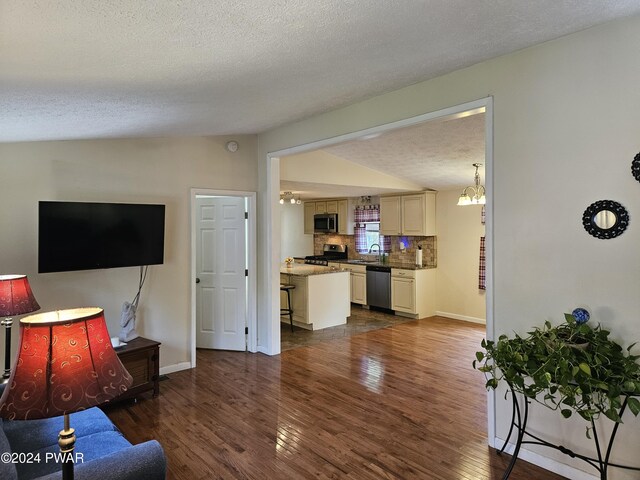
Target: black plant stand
(519,421)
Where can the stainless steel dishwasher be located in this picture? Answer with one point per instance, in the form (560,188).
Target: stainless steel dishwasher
(379,286)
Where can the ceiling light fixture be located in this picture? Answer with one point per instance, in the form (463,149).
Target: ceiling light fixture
(289,197)
(478,192)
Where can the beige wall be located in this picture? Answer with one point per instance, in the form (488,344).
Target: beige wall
(325,168)
(138,171)
(459,231)
(293,241)
(565,132)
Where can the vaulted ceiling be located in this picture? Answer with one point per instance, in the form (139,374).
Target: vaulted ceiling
(118,68)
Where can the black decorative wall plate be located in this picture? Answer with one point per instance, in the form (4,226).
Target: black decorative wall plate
(635,167)
(605,219)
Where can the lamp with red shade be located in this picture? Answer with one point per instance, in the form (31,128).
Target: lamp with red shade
(65,364)
(16,298)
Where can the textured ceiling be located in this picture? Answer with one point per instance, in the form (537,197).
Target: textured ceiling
(120,68)
(437,155)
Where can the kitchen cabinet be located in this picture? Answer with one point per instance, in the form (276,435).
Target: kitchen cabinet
(332,206)
(298,297)
(413,214)
(403,298)
(419,214)
(358,282)
(319,300)
(344,208)
(345,216)
(390,223)
(359,288)
(309,212)
(413,292)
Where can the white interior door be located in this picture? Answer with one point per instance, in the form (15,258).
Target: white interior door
(221,282)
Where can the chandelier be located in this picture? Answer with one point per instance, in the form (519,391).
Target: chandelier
(289,197)
(475,194)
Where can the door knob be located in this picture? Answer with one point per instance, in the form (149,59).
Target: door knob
(197,280)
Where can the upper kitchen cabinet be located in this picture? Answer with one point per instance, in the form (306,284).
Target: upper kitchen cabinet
(390,216)
(309,212)
(343,207)
(413,214)
(345,210)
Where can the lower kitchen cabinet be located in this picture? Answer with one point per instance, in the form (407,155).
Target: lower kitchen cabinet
(403,296)
(298,297)
(358,282)
(413,292)
(359,288)
(309,299)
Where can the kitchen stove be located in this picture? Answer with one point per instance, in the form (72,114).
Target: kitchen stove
(332,253)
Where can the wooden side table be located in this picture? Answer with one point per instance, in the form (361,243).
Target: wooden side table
(141,358)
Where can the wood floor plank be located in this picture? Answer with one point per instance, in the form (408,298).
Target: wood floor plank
(400,402)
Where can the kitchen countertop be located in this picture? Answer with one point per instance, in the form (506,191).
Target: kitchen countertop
(401,265)
(302,270)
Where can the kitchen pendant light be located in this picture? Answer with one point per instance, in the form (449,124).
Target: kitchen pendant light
(477,191)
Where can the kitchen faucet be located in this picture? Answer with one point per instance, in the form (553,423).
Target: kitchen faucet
(379,251)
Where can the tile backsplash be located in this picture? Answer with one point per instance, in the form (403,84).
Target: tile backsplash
(408,255)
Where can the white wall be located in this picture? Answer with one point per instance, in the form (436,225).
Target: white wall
(293,241)
(458,248)
(138,171)
(565,132)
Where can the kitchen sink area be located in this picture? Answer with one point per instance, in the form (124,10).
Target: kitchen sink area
(401,288)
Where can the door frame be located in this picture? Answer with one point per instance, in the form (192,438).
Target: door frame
(273,231)
(251,249)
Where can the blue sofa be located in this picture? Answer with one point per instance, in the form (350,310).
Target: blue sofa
(106,454)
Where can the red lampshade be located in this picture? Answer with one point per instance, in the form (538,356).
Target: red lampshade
(66,363)
(16,297)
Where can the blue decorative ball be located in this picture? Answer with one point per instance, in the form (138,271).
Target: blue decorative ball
(581,315)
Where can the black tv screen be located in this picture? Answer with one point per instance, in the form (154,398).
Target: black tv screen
(85,236)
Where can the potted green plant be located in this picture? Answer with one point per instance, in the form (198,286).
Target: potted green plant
(570,367)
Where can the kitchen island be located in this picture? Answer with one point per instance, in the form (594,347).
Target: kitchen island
(320,298)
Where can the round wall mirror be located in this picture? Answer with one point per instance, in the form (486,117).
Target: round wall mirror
(605,219)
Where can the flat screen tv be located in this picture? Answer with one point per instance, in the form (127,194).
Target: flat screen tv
(84,236)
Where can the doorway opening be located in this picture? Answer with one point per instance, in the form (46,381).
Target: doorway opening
(273,188)
(223,270)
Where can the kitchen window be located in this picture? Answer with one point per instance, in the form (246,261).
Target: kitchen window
(367,230)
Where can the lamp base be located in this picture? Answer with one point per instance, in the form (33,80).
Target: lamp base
(7,323)
(67,442)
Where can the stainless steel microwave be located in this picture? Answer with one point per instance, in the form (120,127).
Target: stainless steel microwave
(325,223)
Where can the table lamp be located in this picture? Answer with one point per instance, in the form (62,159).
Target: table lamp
(65,364)
(16,298)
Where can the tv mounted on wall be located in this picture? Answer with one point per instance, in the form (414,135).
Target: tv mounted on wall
(84,236)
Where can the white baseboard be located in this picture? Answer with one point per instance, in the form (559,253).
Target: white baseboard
(547,463)
(176,367)
(465,318)
(263,349)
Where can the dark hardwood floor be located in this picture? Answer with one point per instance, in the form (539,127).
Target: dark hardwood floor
(397,403)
